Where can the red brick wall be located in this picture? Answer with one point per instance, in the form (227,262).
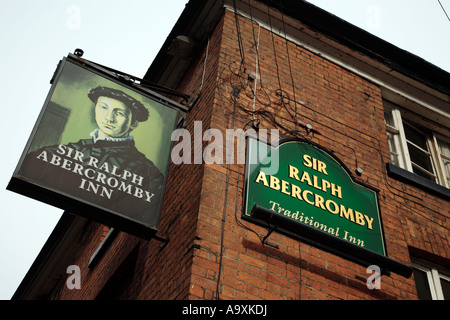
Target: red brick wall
(212,253)
(348,112)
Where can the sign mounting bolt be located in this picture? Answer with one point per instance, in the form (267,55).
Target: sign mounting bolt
(359,171)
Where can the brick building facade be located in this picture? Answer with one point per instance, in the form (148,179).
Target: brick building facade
(255,63)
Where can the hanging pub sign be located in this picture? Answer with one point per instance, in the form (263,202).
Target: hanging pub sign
(100,148)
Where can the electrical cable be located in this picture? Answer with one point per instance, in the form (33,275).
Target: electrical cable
(289,63)
(443,9)
(273,43)
(236,91)
(238,222)
(238,29)
(204,66)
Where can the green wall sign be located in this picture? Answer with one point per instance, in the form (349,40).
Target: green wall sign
(312,187)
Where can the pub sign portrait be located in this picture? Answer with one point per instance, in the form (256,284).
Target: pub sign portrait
(100,149)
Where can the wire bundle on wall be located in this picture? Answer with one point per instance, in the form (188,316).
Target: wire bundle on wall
(241,90)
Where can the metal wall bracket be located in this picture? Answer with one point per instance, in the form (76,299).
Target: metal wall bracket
(264,240)
(103,247)
(108,240)
(164,241)
(141,84)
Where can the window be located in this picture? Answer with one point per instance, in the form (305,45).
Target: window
(393,137)
(431,282)
(416,149)
(419,152)
(444,157)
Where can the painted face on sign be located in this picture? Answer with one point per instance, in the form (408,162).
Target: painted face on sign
(113,118)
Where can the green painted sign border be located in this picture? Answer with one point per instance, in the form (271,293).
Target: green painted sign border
(246,209)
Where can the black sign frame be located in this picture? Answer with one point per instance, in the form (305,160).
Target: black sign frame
(130,94)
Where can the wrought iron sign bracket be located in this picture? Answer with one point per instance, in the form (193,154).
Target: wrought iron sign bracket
(164,241)
(141,84)
(369,281)
(103,247)
(271,229)
(108,240)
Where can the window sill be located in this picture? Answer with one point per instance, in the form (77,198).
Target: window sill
(417,181)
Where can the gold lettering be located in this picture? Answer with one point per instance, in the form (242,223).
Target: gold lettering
(319,202)
(369,222)
(293,173)
(307,161)
(325,185)
(321,167)
(336,189)
(295,192)
(274,183)
(305,176)
(285,187)
(315,185)
(359,217)
(308,196)
(314,164)
(347,214)
(273,205)
(306,199)
(336,207)
(262,177)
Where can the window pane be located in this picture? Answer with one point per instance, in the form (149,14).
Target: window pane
(447,171)
(445,284)
(415,136)
(444,150)
(422,286)
(420,158)
(392,148)
(388,119)
(423,174)
(393,136)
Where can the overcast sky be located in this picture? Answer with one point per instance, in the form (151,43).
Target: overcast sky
(126,35)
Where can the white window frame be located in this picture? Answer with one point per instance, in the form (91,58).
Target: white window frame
(401,145)
(443,177)
(434,276)
(429,140)
(398,135)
